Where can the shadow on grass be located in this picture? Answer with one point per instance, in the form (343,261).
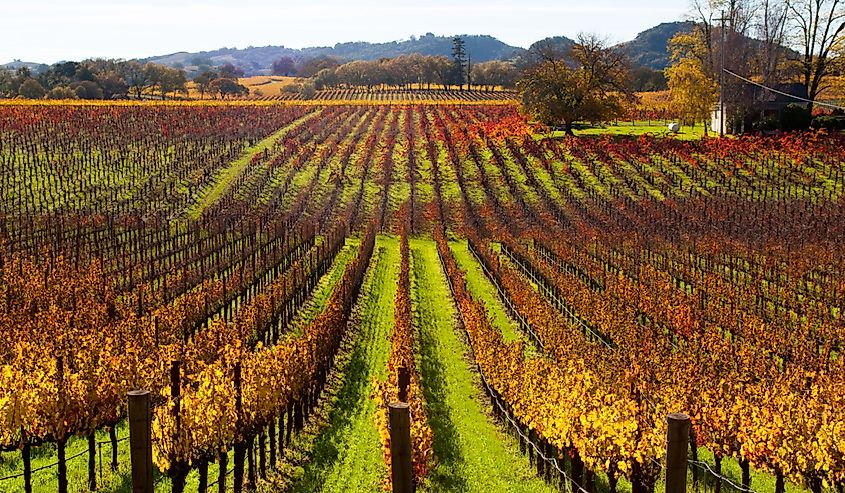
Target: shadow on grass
(350,398)
(432,371)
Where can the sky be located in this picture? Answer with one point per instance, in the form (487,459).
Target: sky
(49,31)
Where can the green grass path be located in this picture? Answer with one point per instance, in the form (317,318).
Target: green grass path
(348,455)
(485,291)
(316,304)
(474,454)
(227,175)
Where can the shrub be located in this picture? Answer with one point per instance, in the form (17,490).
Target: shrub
(61,92)
(835,123)
(31,89)
(795,117)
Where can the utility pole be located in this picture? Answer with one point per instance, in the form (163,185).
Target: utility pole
(722,78)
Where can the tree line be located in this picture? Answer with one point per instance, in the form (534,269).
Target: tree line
(417,71)
(116,79)
(404,71)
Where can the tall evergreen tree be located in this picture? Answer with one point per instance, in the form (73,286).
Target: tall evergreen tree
(459,61)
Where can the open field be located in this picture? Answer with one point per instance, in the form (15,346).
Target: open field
(264,270)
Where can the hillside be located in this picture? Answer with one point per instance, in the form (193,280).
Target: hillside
(32,66)
(555,43)
(649,47)
(257,60)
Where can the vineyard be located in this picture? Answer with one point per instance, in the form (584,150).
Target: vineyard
(400,95)
(276,274)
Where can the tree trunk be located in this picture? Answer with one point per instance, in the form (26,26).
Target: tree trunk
(779,486)
(250,459)
(568,129)
(272,444)
(262,456)
(203,476)
(178,477)
(223,461)
(577,468)
(240,453)
(62,467)
(27,468)
(816,484)
(612,480)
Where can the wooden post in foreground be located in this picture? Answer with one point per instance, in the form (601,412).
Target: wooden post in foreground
(404,379)
(677,442)
(140,441)
(400,448)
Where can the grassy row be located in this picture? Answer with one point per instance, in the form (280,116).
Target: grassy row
(473,452)
(347,455)
(227,175)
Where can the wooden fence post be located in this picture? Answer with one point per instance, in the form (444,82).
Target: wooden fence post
(404,379)
(677,442)
(400,447)
(140,441)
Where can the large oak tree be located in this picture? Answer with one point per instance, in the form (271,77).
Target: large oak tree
(588,82)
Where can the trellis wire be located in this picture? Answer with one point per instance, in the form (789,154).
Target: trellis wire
(706,468)
(701,465)
(213,483)
(54,464)
(509,419)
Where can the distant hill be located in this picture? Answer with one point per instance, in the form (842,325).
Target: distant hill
(34,67)
(557,42)
(649,48)
(258,60)
(482,48)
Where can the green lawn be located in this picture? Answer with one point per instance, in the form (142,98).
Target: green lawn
(77,468)
(638,128)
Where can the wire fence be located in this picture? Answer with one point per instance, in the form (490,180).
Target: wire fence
(216,481)
(705,467)
(55,464)
(571,485)
(526,327)
(555,463)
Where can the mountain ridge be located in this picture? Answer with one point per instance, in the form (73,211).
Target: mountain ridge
(644,50)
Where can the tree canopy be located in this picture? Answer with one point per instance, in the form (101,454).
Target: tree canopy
(587,82)
(94,79)
(692,89)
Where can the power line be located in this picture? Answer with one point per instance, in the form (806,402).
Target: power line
(799,98)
